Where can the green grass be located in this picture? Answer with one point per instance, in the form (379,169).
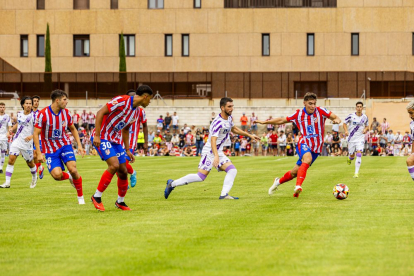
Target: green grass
(44,232)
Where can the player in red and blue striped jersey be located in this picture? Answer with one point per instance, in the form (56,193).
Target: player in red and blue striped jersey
(311,123)
(52,123)
(113,121)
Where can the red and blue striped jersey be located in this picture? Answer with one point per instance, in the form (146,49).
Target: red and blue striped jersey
(134,128)
(312,126)
(53,128)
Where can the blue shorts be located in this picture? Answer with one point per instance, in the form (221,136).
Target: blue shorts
(34,147)
(60,158)
(302,149)
(109,149)
(127,157)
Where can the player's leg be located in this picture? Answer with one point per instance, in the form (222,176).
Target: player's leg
(288,176)
(308,157)
(28,156)
(75,178)
(358,162)
(231,173)
(410,165)
(131,171)
(122,186)
(39,166)
(10,169)
(352,149)
(3,150)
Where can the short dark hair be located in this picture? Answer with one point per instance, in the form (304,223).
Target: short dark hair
(36,97)
(310,96)
(131,91)
(361,103)
(24,99)
(2,104)
(58,94)
(144,89)
(224,101)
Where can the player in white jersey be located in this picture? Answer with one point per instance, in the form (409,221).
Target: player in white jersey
(213,155)
(358,126)
(35,109)
(22,142)
(410,159)
(5,124)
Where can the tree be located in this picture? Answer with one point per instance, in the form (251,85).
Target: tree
(122,84)
(48,64)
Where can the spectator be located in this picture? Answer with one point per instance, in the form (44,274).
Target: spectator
(406,140)
(375,124)
(273,143)
(189,138)
(295,129)
(213,116)
(397,143)
(385,126)
(236,146)
(91,121)
(164,151)
(175,121)
(281,141)
(383,140)
(140,143)
(153,150)
(188,152)
(335,127)
(335,139)
(82,134)
(168,138)
(390,149)
(75,119)
(157,140)
(336,150)
(160,123)
(253,125)
(186,129)
(243,146)
(290,145)
(328,142)
(282,128)
(270,127)
(256,145)
(151,137)
(87,144)
(175,140)
(84,118)
(374,141)
(227,151)
(265,144)
(390,137)
(344,145)
(244,121)
(199,142)
(181,144)
(368,142)
(167,121)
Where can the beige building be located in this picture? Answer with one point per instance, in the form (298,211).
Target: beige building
(202,48)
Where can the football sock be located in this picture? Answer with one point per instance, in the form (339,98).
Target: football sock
(302,174)
(358,162)
(103,183)
(3,156)
(229,179)
(33,171)
(122,189)
(130,170)
(78,186)
(65,176)
(351,158)
(410,171)
(9,172)
(189,178)
(287,177)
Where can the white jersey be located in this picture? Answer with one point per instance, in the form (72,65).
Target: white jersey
(4,124)
(356,125)
(25,127)
(219,128)
(412,129)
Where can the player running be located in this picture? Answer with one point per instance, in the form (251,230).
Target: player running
(212,154)
(410,159)
(358,126)
(113,121)
(22,142)
(133,137)
(35,108)
(311,122)
(52,123)
(5,124)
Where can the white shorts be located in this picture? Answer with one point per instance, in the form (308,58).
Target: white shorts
(355,146)
(4,144)
(206,161)
(15,149)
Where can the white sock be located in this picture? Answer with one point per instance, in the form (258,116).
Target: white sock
(358,164)
(98,194)
(9,172)
(120,199)
(189,178)
(229,180)
(2,157)
(33,171)
(411,171)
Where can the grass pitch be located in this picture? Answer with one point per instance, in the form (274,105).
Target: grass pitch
(44,232)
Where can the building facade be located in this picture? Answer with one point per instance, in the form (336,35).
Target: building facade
(203,48)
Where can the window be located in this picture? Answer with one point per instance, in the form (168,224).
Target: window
(24,45)
(197,4)
(129,42)
(114,4)
(355,45)
(265,44)
(81,46)
(81,4)
(185,42)
(155,4)
(40,5)
(311,45)
(40,45)
(168,45)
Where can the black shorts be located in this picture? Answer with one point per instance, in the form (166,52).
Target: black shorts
(140,146)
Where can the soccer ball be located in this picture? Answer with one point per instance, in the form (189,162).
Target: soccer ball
(340,191)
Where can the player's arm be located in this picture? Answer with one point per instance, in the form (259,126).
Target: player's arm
(75,134)
(14,128)
(274,121)
(99,118)
(335,119)
(345,125)
(39,155)
(237,130)
(145,129)
(125,139)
